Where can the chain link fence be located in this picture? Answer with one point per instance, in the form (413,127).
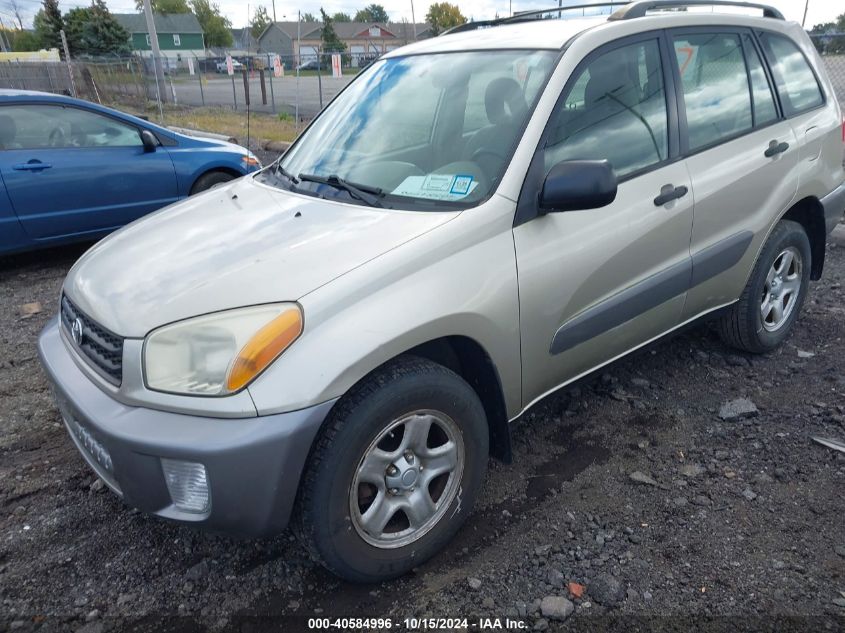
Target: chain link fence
(266,83)
(278,84)
(831,47)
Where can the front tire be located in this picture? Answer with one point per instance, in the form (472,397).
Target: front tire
(395,471)
(769,305)
(211,179)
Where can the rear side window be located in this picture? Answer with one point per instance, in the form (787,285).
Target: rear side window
(715,86)
(799,90)
(615,110)
(764,102)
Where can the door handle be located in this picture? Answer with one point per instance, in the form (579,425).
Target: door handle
(33,165)
(775,148)
(669,193)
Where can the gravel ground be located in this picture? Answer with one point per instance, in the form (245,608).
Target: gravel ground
(631,485)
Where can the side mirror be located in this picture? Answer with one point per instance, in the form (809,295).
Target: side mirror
(578,184)
(149,140)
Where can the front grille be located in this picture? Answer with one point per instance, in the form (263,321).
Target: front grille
(101,348)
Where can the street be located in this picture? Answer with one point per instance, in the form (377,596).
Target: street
(218,91)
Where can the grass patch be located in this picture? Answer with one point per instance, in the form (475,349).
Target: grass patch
(231,123)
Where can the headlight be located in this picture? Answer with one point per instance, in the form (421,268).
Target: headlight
(218,354)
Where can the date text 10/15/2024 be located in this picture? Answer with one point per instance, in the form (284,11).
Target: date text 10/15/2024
(418,624)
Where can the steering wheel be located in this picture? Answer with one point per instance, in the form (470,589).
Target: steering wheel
(57,137)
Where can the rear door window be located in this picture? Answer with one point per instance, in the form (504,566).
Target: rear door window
(799,90)
(764,101)
(715,87)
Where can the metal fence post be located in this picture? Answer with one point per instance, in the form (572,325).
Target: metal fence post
(319,81)
(234,93)
(272,72)
(199,75)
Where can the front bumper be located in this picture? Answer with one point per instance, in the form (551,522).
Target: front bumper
(834,206)
(253,465)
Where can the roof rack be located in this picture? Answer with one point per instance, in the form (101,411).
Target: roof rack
(639,9)
(628,11)
(530,15)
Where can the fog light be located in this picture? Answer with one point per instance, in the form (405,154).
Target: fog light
(188,485)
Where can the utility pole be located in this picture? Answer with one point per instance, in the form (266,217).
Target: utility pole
(296,61)
(159,70)
(806,6)
(274,10)
(413,20)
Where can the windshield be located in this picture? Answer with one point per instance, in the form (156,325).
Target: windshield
(420,131)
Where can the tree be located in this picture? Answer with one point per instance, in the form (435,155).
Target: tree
(48,22)
(331,42)
(165,6)
(372,13)
(260,21)
(16,9)
(24,41)
(217,29)
(340,16)
(442,16)
(308,17)
(829,38)
(94,31)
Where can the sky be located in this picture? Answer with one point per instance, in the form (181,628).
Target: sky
(236,10)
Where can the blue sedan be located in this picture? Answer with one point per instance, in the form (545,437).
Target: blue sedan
(71,170)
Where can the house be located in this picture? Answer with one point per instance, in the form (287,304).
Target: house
(243,42)
(180,36)
(300,42)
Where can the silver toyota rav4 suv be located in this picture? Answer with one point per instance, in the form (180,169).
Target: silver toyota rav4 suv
(342,340)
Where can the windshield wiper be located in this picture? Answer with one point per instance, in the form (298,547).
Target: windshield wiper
(365,193)
(278,169)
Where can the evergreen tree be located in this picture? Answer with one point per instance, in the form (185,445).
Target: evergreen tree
(331,42)
(94,31)
(260,21)
(48,23)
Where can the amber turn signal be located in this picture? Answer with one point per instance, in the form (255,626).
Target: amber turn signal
(265,347)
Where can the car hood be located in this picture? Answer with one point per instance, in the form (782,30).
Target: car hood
(237,245)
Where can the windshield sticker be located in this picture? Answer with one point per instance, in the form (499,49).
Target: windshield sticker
(437,186)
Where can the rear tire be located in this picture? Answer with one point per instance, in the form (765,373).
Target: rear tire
(769,305)
(412,436)
(211,179)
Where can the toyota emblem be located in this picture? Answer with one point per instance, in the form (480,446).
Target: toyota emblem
(76,331)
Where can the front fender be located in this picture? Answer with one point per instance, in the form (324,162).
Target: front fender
(457,280)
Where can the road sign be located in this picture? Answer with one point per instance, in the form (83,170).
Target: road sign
(278,67)
(230,68)
(337,73)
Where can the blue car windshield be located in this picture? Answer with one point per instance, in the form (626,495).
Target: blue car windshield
(422,130)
